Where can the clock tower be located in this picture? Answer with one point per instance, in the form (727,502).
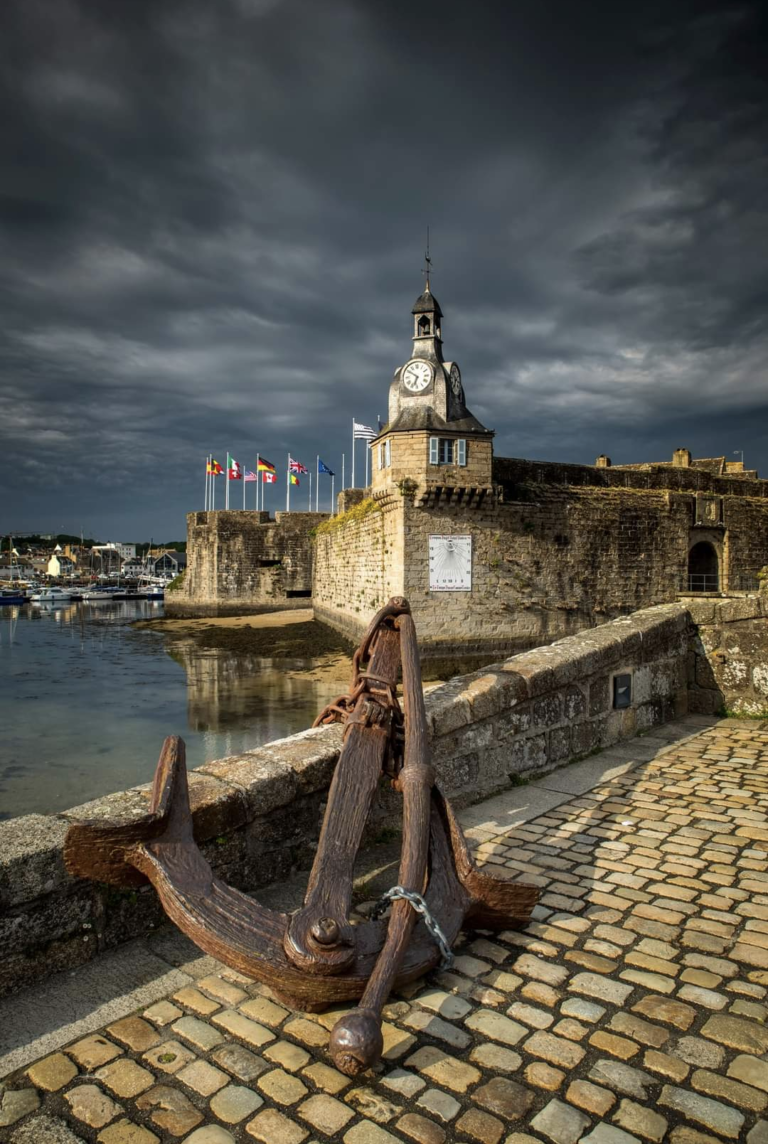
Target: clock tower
(431,439)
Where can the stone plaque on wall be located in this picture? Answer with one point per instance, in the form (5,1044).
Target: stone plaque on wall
(450,563)
(709,510)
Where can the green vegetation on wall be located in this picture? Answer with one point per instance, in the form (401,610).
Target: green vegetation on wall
(358,513)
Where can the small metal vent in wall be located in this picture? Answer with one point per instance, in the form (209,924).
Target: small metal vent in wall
(622,691)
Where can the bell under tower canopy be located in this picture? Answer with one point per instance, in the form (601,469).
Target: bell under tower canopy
(426,315)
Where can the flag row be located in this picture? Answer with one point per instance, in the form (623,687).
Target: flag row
(264,469)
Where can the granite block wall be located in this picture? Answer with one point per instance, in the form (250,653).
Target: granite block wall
(728,662)
(242,561)
(556,549)
(358,563)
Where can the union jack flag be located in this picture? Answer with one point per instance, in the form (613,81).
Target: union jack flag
(296,466)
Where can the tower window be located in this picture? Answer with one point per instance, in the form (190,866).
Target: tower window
(423,326)
(446,451)
(385,454)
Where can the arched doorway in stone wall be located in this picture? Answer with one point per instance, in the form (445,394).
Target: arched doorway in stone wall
(703,568)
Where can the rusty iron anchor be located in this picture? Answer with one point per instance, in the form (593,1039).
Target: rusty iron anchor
(317,956)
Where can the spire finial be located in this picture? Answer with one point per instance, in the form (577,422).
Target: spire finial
(428,268)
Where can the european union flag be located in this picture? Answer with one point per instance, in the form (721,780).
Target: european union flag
(323,468)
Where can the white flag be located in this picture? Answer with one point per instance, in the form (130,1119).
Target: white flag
(363,432)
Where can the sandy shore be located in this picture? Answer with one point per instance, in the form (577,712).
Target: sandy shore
(293,634)
(183,626)
(289,635)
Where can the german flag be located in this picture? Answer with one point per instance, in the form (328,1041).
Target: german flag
(214,467)
(265,466)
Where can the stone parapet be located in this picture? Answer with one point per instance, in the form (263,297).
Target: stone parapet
(728,661)
(516,471)
(257,815)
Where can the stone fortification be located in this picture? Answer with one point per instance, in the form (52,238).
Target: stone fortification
(555,549)
(257,815)
(243,561)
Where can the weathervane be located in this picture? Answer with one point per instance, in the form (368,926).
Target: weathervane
(428,268)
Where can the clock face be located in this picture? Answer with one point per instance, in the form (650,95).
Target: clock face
(455,380)
(417,375)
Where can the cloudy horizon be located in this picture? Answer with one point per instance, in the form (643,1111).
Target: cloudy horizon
(213,222)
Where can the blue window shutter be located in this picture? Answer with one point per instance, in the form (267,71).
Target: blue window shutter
(461,452)
(433,457)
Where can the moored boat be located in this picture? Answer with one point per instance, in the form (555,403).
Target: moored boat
(51,596)
(12,596)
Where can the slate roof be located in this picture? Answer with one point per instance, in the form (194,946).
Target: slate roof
(427,303)
(424,417)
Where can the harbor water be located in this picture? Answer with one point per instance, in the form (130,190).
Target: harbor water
(86,700)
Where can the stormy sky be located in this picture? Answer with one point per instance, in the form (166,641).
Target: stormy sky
(212,216)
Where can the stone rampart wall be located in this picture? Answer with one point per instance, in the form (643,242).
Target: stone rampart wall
(358,564)
(513,471)
(547,569)
(243,561)
(257,815)
(549,558)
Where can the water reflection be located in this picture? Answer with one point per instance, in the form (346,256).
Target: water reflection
(86,700)
(224,689)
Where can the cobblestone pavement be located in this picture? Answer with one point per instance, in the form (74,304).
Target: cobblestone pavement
(633,1008)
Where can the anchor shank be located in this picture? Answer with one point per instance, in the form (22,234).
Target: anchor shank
(356,1040)
(329,890)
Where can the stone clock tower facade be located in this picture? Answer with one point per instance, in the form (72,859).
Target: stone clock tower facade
(424,528)
(431,439)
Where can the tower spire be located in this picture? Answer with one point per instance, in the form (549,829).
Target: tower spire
(428,267)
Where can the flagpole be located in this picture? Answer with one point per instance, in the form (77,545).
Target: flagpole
(257,482)
(352,486)
(288,485)
(213,490)
(317,487)
(332,500)
(243,476)
(226,486)
(309,504)
(367,455)
(343,484)
(205,502)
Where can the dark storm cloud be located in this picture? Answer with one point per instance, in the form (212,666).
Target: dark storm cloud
(212,219)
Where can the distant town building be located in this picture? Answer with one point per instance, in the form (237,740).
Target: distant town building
(168,564)
(59,564)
